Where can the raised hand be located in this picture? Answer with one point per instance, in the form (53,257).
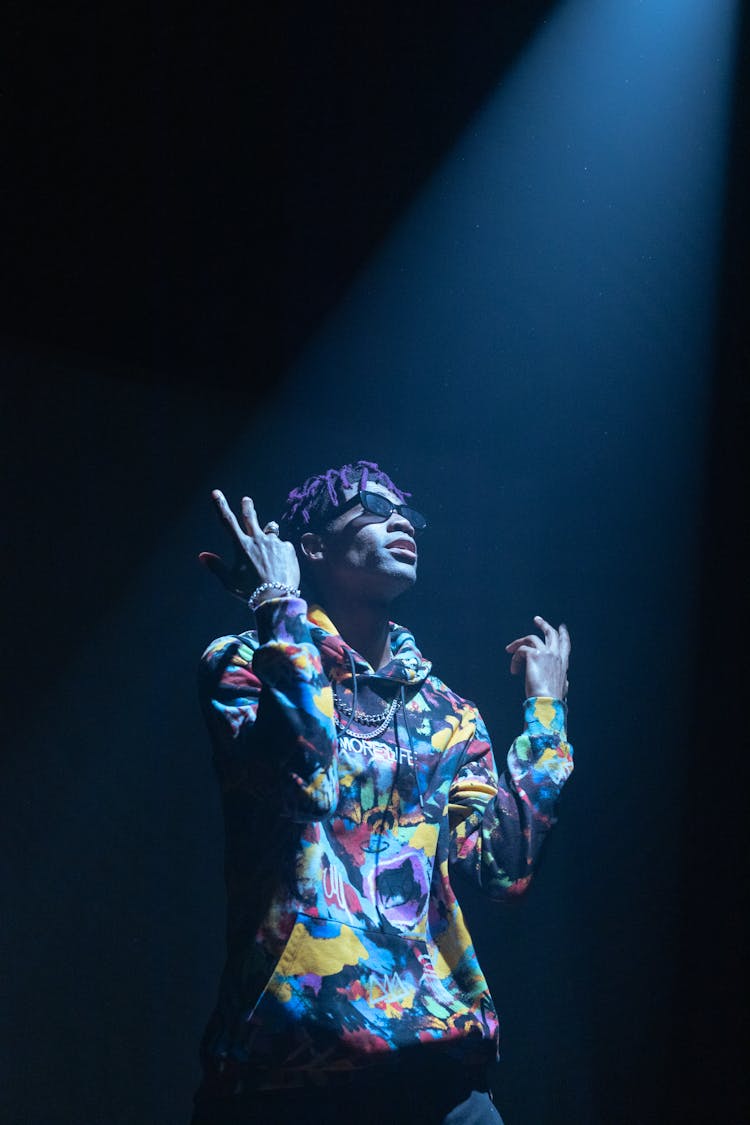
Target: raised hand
(545,661)
(259,555)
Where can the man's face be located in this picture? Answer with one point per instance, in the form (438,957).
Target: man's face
(366,554)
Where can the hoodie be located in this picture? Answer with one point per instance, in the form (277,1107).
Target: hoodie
(346,943)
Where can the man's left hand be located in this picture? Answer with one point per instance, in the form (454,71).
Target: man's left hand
(545,661)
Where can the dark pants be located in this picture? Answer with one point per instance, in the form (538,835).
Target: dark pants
(387,1099)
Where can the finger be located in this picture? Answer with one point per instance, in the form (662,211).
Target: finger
(532,639)
(550,634)
(250,518)
(213,563)
(564,643)
(226,515)
(229,578)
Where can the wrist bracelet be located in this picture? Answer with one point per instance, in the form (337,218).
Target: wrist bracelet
(288,591)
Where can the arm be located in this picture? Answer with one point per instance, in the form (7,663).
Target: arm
(268,703)
(499,824)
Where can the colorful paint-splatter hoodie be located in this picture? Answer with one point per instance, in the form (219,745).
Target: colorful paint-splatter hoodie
(346,942)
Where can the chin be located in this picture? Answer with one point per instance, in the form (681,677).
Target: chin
(404,582)
(390,586)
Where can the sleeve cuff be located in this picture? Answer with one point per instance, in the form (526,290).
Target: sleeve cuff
(544,715)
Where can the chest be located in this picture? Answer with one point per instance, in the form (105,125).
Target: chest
(403,763)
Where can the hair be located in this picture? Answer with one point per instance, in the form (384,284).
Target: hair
(313,504)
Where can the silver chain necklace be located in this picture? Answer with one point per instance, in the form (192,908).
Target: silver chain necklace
(379,721)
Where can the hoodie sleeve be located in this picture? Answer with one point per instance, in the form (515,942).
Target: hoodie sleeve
(269,709)
(499,824)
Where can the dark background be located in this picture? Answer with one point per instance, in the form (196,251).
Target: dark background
(188,196)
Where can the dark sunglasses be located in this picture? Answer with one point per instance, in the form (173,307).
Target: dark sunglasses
(377,505)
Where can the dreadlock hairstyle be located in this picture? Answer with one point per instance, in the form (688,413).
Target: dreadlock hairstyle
(312,505)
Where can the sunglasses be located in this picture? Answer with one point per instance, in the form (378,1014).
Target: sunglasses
(377,505)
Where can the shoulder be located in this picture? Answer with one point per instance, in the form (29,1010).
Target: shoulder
(435,689)
(452,721)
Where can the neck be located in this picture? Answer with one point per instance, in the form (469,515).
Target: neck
(364,626)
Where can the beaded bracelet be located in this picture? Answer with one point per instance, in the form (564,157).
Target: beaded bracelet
(287,590)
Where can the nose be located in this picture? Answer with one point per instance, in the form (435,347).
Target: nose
(399,522)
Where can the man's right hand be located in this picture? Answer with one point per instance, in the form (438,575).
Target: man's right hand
(259,556)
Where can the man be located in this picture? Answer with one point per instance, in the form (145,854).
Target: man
(356,786)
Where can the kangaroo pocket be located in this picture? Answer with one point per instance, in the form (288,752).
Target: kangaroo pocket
(344,995)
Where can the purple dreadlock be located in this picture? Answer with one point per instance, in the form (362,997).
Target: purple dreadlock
(308,506)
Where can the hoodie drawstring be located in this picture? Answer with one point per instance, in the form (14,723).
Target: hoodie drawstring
(411,744)
(353,667)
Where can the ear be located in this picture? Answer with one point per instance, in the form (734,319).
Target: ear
(312,546)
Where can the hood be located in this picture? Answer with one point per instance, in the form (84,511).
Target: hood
(406,666)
